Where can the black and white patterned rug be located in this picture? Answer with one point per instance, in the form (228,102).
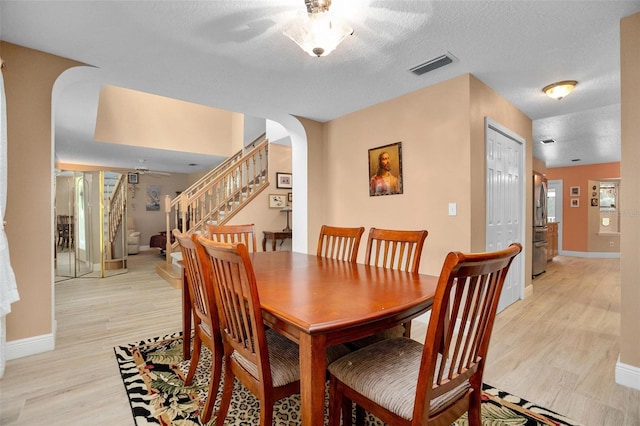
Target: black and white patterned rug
(153,373)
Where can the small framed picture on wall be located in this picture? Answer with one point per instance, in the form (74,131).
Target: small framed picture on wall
(575,202)
(277,201)
(575,191)
(284,180)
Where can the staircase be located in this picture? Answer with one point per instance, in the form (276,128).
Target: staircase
(115,198)
(215,199)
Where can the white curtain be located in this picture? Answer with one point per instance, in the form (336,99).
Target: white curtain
(8,288)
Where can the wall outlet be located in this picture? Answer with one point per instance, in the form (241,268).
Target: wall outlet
(611,244)
(453,209)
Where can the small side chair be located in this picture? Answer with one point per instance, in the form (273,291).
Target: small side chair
(341,243)
(266,362)
(395,249)
(245,234)
(205,315)
(405,383)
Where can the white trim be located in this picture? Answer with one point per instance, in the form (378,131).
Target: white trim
(591,254)
(627,375)
(558,184)
(30,346)
(528,291)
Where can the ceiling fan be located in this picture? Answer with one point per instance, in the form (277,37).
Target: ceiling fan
(146,171)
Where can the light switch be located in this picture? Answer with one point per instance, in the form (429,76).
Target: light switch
(452,209)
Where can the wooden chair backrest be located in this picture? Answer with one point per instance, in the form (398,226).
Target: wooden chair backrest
(395,249)
(240,315)
(198,277)
(245,234)
(339,243)
(461,323)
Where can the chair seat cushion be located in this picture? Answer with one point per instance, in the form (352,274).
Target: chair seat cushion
(284,358)
(387,373)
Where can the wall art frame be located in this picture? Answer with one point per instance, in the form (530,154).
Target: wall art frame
(277,201)
(284,180)
(575,191)
(385,170)
(133,178)
(153,198)
(575,202)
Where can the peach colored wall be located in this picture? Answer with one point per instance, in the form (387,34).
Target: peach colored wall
(539,166)
(317,186)
(29,79)
(442,137)
(433,134)
(630,172)
(575,229)
(130,117)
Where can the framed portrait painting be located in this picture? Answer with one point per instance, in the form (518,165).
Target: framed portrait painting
(385,170)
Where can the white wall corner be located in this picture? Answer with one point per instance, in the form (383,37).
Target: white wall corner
(627,375)
(31,346)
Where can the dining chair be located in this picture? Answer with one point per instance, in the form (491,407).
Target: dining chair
(395,249)
(205,315)
(404,382)
(264,361)
(341,243)
(245,234)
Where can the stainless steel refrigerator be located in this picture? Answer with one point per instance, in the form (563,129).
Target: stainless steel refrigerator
(539,224)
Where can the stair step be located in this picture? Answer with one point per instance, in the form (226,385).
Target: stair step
(171,273)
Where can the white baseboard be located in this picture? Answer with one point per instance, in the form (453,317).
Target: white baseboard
(627,375)
(528,291)
(591,254)
(30,346)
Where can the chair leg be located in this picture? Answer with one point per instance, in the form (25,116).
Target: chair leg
(266,410)
(475,414)
(407,329)
(195,358)
(227,392)
(214,383)
(338,405)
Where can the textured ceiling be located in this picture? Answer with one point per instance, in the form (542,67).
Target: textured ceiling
(233,55)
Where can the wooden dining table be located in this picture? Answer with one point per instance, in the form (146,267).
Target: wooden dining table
(318,302)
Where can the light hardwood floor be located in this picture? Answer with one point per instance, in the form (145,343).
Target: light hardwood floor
(557,348)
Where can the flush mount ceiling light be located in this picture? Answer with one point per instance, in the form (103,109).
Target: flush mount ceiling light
(316,32)
(560,89)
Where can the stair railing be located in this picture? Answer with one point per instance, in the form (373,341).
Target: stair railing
(115,213)
(220,194)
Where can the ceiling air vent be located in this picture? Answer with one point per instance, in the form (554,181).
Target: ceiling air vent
(546,141)
(433,64)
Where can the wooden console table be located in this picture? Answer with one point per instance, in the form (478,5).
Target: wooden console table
(274,236)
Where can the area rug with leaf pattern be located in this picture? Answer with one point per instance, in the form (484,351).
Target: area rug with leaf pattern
(153,373)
